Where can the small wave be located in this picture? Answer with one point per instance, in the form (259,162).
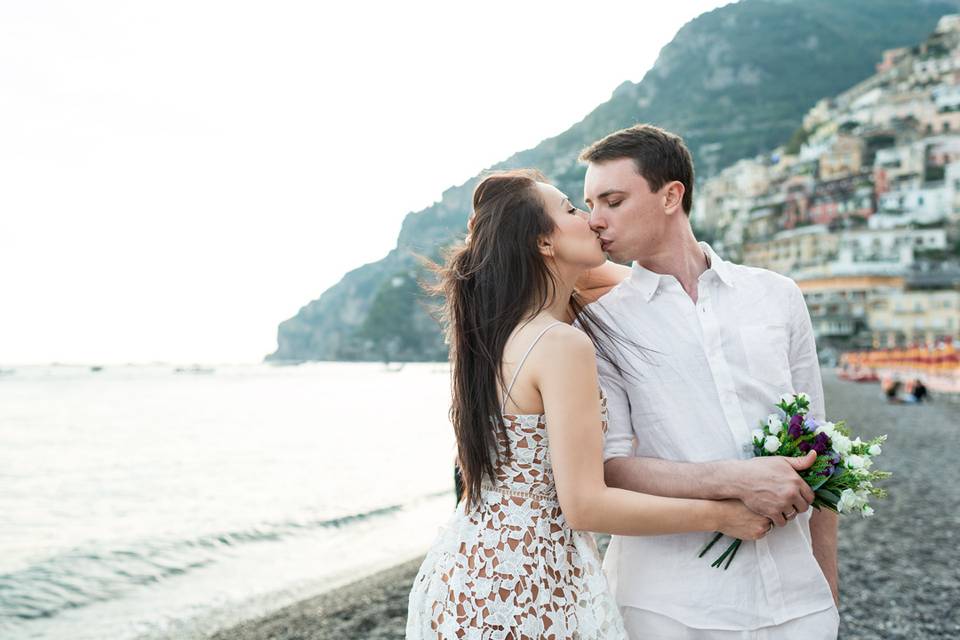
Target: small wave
(83,576)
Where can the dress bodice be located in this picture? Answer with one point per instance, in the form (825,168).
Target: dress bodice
(527,468)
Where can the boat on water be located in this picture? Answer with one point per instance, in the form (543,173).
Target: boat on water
(195,369)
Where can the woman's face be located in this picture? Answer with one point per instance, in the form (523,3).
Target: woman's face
(574,242)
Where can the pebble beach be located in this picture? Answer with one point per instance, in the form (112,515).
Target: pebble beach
(898,571)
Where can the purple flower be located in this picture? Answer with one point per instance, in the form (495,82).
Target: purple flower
(821,443)
(834,457)
(804,447)
(810,424)
(796,426)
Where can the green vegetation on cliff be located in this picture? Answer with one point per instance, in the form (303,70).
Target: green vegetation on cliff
(734,82)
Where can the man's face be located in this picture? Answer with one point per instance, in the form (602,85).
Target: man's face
(629,218)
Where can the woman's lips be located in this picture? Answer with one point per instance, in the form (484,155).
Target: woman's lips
(604,244)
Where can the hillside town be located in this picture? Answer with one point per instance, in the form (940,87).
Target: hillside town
(862,207)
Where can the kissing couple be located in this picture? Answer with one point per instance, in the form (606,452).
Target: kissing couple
(593,397)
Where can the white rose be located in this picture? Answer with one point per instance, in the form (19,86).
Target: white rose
(803,396)
(857,442)
(827,428)
(771,444)
(848,501)
(786,398)
(874,450)
(758,434)
(841,444)
(867,511)
(855,462)
(774,423)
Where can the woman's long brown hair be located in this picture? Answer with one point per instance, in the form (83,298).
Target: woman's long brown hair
(490,284)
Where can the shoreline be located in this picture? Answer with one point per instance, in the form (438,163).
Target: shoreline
(373,607)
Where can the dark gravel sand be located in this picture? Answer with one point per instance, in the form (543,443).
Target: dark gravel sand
(900,571)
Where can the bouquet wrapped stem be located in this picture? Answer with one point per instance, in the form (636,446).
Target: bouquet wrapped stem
(841,477)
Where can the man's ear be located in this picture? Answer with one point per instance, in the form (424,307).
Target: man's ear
(673,197)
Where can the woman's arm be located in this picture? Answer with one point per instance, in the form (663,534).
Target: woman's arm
(566,375)
(598,281)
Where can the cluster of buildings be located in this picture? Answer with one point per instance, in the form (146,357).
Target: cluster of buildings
(862,208)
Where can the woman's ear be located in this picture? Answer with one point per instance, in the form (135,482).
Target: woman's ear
(545,244)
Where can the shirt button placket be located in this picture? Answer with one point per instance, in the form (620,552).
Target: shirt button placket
(726,391)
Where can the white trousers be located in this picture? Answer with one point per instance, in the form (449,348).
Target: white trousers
(646,625)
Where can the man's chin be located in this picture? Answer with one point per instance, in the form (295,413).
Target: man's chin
(620,257)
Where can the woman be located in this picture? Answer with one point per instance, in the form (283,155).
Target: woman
(516,561)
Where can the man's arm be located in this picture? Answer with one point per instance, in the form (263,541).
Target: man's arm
(805,376)
(768,486)
(823,534)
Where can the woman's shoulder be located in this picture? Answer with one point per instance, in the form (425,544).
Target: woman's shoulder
(567,340)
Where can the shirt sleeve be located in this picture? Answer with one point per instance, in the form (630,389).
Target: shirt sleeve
(618,441)
(804,363)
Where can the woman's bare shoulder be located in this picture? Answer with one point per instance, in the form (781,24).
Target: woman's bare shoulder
(567,341)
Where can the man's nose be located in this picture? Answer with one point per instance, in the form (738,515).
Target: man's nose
(596,221)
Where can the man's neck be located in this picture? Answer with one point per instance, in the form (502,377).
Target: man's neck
(685,263)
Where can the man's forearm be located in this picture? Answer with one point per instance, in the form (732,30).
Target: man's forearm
(823,535)
(705,480)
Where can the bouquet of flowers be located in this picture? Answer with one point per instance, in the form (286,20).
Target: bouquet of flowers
(841,477)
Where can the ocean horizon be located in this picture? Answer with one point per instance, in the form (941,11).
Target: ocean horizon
(160,501)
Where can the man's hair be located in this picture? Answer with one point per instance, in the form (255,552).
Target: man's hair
(660,157)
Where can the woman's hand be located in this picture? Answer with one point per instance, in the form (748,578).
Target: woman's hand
(737,521)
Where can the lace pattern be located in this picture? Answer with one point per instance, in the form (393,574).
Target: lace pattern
(512,568)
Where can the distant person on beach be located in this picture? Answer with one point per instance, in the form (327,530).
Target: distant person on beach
(726,341)
(916,391)
(515,559)
(892,391)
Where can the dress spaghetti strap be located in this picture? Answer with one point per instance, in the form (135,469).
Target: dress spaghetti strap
(516,372)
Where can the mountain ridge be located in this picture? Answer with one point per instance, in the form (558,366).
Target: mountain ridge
(708,84)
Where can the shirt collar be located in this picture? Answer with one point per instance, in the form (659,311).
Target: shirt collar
(723,269)
(648,282)
(645,280)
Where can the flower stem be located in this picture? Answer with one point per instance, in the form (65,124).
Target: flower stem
(731,549)
(736,547)
(712,542)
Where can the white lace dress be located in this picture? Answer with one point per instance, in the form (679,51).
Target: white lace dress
(513,569)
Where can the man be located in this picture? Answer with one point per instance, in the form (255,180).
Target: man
(723,342)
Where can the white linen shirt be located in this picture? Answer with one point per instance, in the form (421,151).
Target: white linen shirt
(719,367)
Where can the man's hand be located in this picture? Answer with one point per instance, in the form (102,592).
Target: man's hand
(770,486)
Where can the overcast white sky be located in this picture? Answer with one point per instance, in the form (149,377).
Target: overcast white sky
(178,177)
